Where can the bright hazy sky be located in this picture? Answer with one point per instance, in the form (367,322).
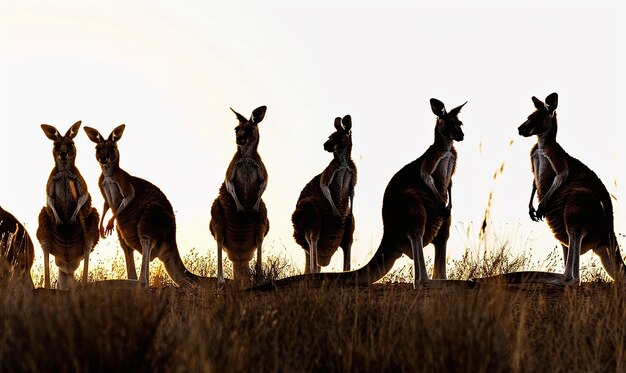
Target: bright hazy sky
(170,70)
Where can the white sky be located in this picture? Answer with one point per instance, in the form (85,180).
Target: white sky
(170,70)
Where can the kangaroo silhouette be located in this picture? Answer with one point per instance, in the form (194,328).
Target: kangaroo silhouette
(323,218)
(68,225)
(238,216)
(416,211)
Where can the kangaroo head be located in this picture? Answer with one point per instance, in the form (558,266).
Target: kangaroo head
(247,132)
(448,124)
(541,120)
(342,138)
(64,151)
(106,149)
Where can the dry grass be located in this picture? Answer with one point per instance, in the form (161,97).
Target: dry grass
(383,328)
(386,327)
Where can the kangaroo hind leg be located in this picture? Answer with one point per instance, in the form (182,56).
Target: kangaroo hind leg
(147,244)
(441,243)
(131,269)
(419,264)
(572,263)
(346,241)
(312,237)
(216,227)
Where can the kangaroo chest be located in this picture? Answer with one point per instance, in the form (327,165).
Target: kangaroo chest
(542,170)
(112,192)
(247,179)
(340,185)
(443,172)
(65,194)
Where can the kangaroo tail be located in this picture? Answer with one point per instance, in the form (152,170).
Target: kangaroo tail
(614,250)
(179,273)
(378,266)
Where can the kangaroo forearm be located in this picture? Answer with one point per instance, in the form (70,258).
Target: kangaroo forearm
(126,199)
(262,188)
(430,182)
(558,180)
(436,192)
(532,196)
(105,209)
(326,192)
(54,210)
(125,202)
(230,188)
(257,204)
(79,204)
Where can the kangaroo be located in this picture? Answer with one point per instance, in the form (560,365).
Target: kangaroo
(238,215)
(68,225)
(145,218)
(572,199)
(416,211)
(16,250)
(323,218)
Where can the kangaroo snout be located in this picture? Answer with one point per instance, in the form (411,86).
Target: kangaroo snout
(329,146)
(103,160)
(523,130)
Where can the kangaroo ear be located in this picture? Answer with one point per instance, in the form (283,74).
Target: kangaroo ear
(93,135)
(552,101)
(73,131)
(240,117)
(258,114)
(50,132)
(438,108)
(347,123)
(539,105)
(116,134)
(457,109)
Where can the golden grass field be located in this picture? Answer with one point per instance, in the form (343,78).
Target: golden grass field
(386,327)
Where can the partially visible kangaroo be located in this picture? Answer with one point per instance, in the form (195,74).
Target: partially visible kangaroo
(68,225)
(323,219)
(573,200)
(416,211)
(238,216)
(16,250)
(145,218)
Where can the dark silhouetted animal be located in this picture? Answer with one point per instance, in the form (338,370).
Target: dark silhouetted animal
(323,219)
(238,215)
(573,200)
(145,218)
(16,251)
(416,210)
(68,225)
